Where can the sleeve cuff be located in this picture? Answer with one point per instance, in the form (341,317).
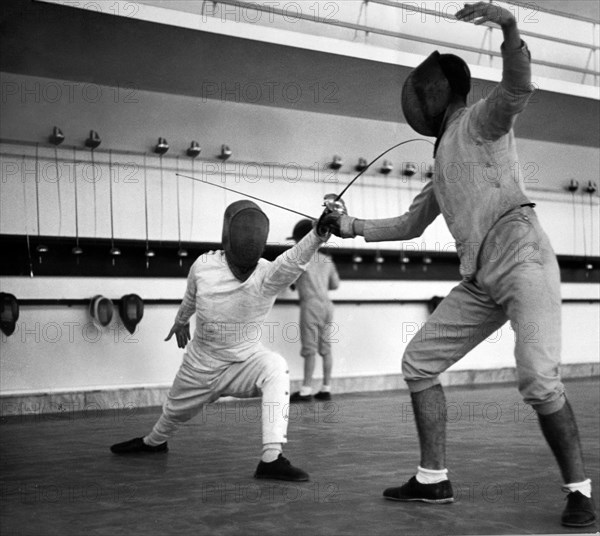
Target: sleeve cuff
(347,227)
(523,49)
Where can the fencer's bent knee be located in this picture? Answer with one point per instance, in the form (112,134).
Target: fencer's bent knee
(552,406)
(544,396)
(411,369)
(273,366)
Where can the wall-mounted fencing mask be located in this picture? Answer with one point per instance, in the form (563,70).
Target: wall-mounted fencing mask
(131,311)
(9,313)
(101,311)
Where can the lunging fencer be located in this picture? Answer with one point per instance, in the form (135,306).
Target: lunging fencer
(231,292)
(316,317)
(509,269)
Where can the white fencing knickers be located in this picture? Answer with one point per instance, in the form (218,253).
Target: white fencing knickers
(264,372)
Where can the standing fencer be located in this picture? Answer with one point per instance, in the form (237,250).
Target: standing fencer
(509,269)
(316,317)
(231,292)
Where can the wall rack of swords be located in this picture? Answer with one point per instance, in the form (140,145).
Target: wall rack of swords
(21,259)
(40,254)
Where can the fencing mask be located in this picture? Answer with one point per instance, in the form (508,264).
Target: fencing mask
(430,88)
(245,231)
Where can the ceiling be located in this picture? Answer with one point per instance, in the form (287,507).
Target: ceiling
(62,43)
(581,8)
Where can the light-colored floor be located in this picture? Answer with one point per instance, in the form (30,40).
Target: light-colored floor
(58,476)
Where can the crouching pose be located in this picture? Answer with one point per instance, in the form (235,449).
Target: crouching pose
(508,266)
(231,291)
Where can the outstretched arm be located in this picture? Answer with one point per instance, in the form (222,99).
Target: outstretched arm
(286,268)
(423,210)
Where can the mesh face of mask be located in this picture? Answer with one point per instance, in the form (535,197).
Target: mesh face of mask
(245,232)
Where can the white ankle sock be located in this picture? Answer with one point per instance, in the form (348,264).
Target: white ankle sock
(271,452)
(431,476)
(584,487)
(305,390)
(326,388)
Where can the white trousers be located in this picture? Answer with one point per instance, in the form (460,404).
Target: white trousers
(265,372)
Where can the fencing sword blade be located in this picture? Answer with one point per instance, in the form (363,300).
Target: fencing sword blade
(247,195)
(295,211)
(375,160)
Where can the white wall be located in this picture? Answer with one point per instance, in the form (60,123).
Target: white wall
(52,349)
(57,348)
(310,20)
(279,154)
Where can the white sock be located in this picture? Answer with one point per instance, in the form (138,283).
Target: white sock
(326,388)
(271,452)
(584,487)
(305,390)
(431,476)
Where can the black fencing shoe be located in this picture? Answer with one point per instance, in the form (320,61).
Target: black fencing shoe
(280,469)
(137,446)
(323,396)
(579,511)
(297,397)
(413,490)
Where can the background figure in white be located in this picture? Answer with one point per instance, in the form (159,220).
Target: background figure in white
(316,317)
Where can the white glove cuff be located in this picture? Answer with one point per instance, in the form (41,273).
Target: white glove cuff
(347,227)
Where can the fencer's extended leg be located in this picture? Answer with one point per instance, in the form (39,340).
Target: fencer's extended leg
(524,278)
(431,483)
(561,433)
(462,320)
(187,396)
(429,407)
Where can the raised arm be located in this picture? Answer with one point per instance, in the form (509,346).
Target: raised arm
(481,12)
(495,115)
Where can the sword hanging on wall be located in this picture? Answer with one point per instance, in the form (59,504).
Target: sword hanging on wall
(329,204)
